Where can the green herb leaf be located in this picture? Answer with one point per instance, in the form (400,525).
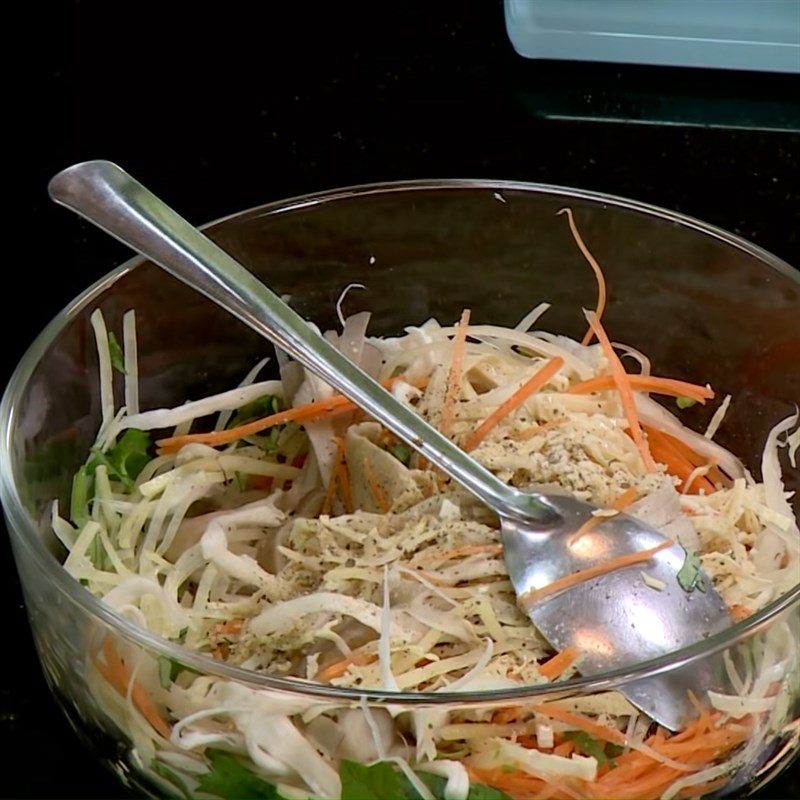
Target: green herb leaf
(160,768)
(477,791)
(384,781)
(231,779)
(689,576)
(685,402)
(590,746)
(401,453)
(379,781)
(81,496)
(614,750)
(182,632)
(169,669)
(260,407)
(126,459)
(117,357)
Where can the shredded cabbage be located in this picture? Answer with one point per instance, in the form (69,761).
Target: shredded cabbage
(328,551)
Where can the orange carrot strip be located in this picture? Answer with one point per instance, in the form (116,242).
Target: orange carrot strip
(509,714)
(646,383)
(118,676)
(454,376)
(585,724)
(338,404)
(559,663)
(514,780)
(377,489)
(229,626)
(628,560)
(693,458)
(535,430)
(459,552)
(601,280)
(337,669)
(739,612)
(622,381)
(331,490)
(664,449)
(533,384)
(623,500)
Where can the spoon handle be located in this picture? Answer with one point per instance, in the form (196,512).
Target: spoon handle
(110,198)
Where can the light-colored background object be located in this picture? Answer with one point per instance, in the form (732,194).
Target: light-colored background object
(759,35)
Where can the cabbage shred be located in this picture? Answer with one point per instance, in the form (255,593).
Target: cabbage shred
(400,583)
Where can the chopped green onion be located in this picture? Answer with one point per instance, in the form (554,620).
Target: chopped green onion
(689,576)
(117,357)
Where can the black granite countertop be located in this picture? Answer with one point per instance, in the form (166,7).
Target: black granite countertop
(251,102)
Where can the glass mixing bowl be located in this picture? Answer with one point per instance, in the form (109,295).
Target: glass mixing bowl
(703,304)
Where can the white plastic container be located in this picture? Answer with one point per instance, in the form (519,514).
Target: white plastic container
(762,35)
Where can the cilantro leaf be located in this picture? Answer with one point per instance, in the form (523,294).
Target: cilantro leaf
(401,453)
(126,459)
(379,781)
(689,576)
(169,669)
(685,402)
(81,496)
(590,746)
(477,791)
(231,779)
(161,769)
(117,358)
(384,781)
(260,407)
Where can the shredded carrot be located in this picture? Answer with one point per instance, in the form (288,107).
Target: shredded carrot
(260,483)
(509,714)
(522,785)
(559,663)
(646,383)
(533,384)
(628,560)
(624,499)
(700,744)
(564,749)
(337,669)
(622,381)
(535,430)
(377,490)
(229,626)
(739,612)
(331,490)
(454,376)
(598,272)
(338,404)
(664,449)
(581,722)
(619,503)
(118,676)
(344,481)
(459,552)
(689,455)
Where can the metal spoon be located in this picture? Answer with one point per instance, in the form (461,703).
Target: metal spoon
(615,620)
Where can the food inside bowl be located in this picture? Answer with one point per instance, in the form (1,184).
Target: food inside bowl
(276,528)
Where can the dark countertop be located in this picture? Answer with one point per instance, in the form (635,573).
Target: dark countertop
(252,102)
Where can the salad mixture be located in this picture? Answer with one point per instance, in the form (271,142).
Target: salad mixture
(276,528)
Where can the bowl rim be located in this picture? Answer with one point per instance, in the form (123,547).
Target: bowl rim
(29,544)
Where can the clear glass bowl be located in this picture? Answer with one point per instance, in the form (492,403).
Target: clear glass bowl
(703,304)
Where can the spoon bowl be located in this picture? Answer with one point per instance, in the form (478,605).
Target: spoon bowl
(613,618)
